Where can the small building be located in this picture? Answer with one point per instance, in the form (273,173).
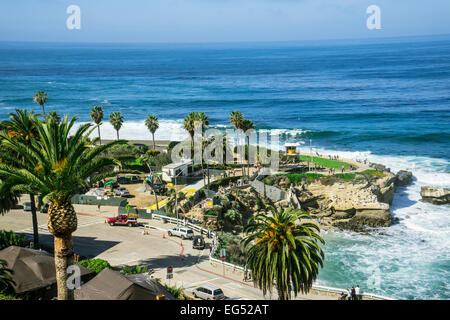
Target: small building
(291,148)
(177,169)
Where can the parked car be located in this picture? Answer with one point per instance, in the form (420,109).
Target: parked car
(27,206)
(121,191)
(183,232)
(123,180)
(198,242)
(134,179)
(208,292)
(123,220)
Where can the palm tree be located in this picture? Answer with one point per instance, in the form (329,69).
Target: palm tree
(116,120)
(189,126)
(202,120)
(97,116)
(6,282)
(282,252)
(245,126)
(40,98)
(236,119)
(152,124)
(54,116)
(21,127)
(56,166)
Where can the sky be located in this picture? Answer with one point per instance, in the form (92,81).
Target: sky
(218,20)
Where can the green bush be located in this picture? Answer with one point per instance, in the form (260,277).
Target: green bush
(6,297)
(374,173)
(10,238)
(6,282)
(96,265)
(178,293)
(136,270)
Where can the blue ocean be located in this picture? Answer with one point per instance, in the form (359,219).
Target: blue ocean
(385,100)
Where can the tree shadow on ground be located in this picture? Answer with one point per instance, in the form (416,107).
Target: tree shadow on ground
(88,247)
(176,261)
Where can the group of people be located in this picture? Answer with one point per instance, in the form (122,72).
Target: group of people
(333,157)
(351,294)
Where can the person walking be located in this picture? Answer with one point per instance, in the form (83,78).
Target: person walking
(349,294)
(353,293)
(357,292)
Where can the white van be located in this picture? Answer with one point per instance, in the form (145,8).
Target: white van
(183,232)
(208,292)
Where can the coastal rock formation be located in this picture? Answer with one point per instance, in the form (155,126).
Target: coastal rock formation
(435,195)
(354,205)
(403,178)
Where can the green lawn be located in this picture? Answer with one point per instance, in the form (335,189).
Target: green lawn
(326,162)
(349,176)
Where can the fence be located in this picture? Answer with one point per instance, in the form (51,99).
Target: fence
(93,200)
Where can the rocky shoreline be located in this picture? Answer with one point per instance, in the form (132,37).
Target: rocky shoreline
(351,205)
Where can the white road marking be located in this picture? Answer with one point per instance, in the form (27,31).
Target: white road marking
(202,282)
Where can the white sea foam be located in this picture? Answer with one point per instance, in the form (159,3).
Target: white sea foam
(412,257)
(168,130)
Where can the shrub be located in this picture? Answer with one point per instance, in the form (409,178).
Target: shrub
(136,270)
(6,281)
(374,173)
(123,151)
(176,292)
(96,265)
(10,238)
(233,216)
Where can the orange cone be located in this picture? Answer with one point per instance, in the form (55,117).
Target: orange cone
(164,235)
(181,243)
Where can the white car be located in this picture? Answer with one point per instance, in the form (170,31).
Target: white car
(183,232)
(121,191)
(208,292)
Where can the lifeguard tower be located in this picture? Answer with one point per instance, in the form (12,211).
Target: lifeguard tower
(291,148)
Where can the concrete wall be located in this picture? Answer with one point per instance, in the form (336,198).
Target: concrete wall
(271,192)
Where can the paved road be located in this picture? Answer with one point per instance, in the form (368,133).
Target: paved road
(129,246)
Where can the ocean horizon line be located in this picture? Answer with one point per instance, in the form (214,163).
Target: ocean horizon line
(376,40)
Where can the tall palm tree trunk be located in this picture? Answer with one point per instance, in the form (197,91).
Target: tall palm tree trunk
(63,259)
(153,138)
(98,128)
(248,156)
(43,109)
(153,187)
(117,134)
(35,223)
(62,222)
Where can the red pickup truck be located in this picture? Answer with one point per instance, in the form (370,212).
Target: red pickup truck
(123,220)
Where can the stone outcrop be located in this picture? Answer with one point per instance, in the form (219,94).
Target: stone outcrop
(435,195)
(350,205)
(403,178)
